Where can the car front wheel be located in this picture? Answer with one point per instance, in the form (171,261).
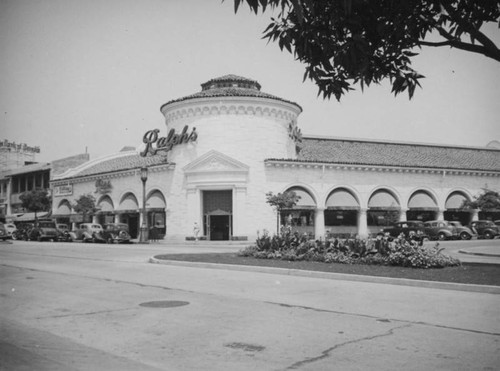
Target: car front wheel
(488,235)
(441,236)
(465,236)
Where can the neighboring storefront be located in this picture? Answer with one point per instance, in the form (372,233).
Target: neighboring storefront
(228,145)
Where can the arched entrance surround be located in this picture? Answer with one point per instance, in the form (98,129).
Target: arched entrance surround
(128,212)
(384,209)
(156,214)
(106,213)
(342,214)
(423,206)
(302,217)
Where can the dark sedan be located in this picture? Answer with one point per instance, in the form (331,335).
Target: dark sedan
(116,233)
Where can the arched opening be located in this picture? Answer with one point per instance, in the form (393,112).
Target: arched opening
(383,210)
(128,212)
(301,216)
(106,211)
(63,213)
(454,211)
(341,213)
(155,207)
(421,207)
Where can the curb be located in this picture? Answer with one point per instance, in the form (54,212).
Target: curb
(478,253)
(487,289)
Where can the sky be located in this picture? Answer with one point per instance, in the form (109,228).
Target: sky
(90,76)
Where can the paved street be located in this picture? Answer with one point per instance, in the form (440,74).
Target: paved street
(102,307)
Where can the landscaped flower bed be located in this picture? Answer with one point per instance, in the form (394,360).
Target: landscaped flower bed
(382,250)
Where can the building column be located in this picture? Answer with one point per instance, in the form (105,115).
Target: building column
(193,202)
(440,214)
(8,197)
(319,223)
(362,223)
(94,219)
(402,215)
(474,215)
(239,220)
(117,218)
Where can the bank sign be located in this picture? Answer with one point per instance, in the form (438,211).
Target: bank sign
(155,143)
(63,190)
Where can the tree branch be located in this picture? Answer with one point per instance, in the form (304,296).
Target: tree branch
(428,43)
(491,48)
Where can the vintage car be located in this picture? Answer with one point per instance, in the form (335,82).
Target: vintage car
(21,233)
(440,230)
(410,229)
(485,229)
(11,228)
(63,234)
(3,232)
(87,232)
(43,231)
(116,233)
(464,233)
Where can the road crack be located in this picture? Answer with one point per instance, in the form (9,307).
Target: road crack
(326,353)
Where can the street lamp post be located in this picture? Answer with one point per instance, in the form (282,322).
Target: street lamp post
(144,227)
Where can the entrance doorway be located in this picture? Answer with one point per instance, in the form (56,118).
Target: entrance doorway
(217,212)
(220,227)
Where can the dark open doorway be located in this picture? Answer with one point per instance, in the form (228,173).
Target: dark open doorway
(220,227)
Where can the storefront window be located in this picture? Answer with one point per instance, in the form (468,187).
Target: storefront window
(341,218)
(382,218)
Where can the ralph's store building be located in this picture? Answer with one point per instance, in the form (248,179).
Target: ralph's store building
(228,145)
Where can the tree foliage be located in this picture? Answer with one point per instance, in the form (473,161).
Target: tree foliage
(349,42)
(36,200)
(487,201)
(282,201)
(85,205)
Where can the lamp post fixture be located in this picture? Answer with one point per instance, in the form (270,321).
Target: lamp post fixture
(144,227)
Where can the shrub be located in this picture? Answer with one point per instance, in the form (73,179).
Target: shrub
(382,250)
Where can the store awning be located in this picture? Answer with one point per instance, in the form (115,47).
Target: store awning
(28,217)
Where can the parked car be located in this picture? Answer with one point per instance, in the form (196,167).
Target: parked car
(464,233)
(413,228)
(43,231)
(63,234)
(11,228)
(485,228)
(88,232)
(22,231)
(440,230)
(116,233)
(3,232)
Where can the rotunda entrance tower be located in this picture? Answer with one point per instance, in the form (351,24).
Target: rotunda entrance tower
(219,179)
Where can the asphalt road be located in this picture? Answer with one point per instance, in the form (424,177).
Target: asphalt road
(101,307)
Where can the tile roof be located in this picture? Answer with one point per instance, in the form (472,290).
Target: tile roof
(126,162)
(230,86)
(360,152)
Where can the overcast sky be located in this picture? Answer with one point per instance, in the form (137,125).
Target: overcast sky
(77,75)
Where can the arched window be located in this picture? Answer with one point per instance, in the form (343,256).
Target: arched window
(301,216)
(421,206)
(454,211)
(341,213)
(383,209)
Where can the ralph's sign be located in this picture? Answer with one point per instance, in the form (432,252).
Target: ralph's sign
(154,143)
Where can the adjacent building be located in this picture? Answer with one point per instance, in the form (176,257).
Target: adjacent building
(229,144)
